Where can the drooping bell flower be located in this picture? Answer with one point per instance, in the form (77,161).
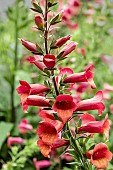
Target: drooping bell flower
(41,164)
(94,103)
(46,149)
(35,100)
(61,41)
(49,60)
(14,140)
(29,45)
(99,156)
(64,106)
(101,127)
(24,126)
(86,76)
(68,49)
(38,61)
(39,22)
(47,132)
(49,117)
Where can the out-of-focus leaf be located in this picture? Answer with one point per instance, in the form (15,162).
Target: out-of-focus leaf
(4,94)
(5,128)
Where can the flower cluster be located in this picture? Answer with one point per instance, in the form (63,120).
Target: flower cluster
(62,110)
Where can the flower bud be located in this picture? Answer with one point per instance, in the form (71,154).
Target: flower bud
(49,60)
(39,22)
(61,41)
(30,46)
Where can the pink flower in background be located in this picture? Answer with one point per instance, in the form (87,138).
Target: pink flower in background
(81,51)
(24,126)
(14,140)
(108,87)
(41,164)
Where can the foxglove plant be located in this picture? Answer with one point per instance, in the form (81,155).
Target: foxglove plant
(58,106)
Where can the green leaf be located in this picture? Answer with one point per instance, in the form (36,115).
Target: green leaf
(51,4)
(39,49)
(56,19)
(60,55)
(37,8)
(5,128)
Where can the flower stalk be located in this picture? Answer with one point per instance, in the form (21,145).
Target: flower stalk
(46,27)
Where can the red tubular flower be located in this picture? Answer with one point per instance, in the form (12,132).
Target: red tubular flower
(30,46)
(64,106)
(49,60)
(61,41)
(30,89)
(38,61)
(39,22)
(41,164)
(63,72)
(86,76)
(96,127)
(86,118)
(14,140)
(47,132)
(24,126)
(49,117)
(46,149)
(92,104)
(26,89)
(35,100)
(99,156)
(68,49)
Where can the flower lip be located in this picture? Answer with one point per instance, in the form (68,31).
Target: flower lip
(99,154)
(64,102)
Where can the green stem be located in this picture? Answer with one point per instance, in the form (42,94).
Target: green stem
(46,29)
(54,83)
(77,149)
(13,111)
